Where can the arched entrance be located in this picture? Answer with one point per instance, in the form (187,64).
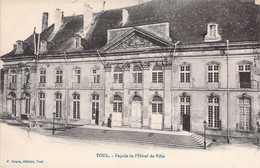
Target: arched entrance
(157,113)
(117,111)
(12,103)
(136,112)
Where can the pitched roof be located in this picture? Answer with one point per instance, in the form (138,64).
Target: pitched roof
(188,20)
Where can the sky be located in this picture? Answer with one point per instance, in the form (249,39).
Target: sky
(19,17)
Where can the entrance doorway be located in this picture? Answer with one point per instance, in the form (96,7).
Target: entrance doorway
(95,109)
(186,122)
(136,113)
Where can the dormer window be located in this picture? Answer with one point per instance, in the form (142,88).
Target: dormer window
(77,42)
(43,46)
(212,33)
(19,47)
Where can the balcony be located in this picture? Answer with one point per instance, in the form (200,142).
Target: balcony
(156,85)
(96,85)
(117,85)
(12,86)
(75,85)
(245,84)
(184,84)
(213,85)
(58,85)
(42,84)
(136,85)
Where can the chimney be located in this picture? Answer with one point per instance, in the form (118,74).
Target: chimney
(87,16)
(124,16)
(104,4)
(45,16)
(58,19)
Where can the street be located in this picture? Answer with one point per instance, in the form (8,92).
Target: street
(19,150)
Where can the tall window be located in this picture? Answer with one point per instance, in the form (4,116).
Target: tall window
(95,105)
(76,106)
(185,73)
(41,104)
(77,42)
(76,75)
(12,96)
(184,107)
(244,113)
(118,75)
(137,75)
(13,76)
(213,112)
(213,74)
(26,76)
(117,104)
(27,103)
(157,74)
(58,75)
(157,105)
(42,76)
(245,75)
(58,105)
(96,76)
(212,30)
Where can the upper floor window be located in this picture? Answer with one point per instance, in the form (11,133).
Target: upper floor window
(184,106)
(185,73)
(244,71)
(157,105)
(43,46)
(76,75)
(213,111)
(77,42)
(19,46)
(213,73)
(76,106)
(58,97)
(42,76)
(117,104)
(41,104)
(137,75)
(13,76)
(244,106)
(26,76)
(212,33)
(58,75)
(157,74)
(96,76)
(118,75)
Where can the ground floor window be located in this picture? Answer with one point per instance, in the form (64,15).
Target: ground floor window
(157,105)
(58,105)
(76,106)
(244,113)
(41,104)
(213,112)
(117,104)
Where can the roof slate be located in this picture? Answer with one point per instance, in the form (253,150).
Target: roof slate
(188,20)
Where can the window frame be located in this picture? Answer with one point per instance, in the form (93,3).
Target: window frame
(58,76)
(157,74)
(137,75)
(118,75)
(185,106)
(185,73)
(157,105)
(117,104)
(245,117)
(58,105)
(213,73)
(42,104)
(76,106)
(213,111)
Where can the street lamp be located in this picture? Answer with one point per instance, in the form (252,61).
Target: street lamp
(53,123)
(205,125)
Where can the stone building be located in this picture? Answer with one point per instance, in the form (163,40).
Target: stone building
(163,64)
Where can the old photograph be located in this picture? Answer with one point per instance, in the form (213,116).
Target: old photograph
(130,83)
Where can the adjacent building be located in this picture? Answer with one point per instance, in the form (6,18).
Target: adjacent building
(162,64)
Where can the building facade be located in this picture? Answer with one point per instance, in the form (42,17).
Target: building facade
(163,64)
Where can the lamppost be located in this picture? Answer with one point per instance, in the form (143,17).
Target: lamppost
(205,125)
(53,123)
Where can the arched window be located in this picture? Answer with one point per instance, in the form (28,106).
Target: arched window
(157,74)
(185,73)
(117,104)
(137,74)
(244,106)
(58,98)
(76,106)
(213,73)
(41,104)
(213,111)
(184,106)
(118,75)
(157,105)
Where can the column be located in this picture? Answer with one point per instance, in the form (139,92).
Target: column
(127,84)
(167,96)
(107,84)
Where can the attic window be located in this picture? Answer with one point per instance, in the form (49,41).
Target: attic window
(77,42)
(19,46)
(212,33)
(43,46)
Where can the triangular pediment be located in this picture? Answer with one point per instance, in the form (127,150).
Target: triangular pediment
(136,39)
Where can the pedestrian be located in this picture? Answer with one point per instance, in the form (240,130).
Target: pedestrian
(28,128)
(109,122)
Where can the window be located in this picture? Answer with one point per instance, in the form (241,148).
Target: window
(77,42)
(185,73)
(157,74)
(95,106)
(58,105)
(27,103)
(213,112)
(244,71)
(157,105)
(26,76)
(12,98)
(13,76)
(19,46)
(96,76)
(212,33)
(42,76)
(137,75)
(43,46)
(76,75)
(213,74)
(42,104)
(76,106)
(244,106)
(117,104)
(118,75)
(58,75)
(184,107)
